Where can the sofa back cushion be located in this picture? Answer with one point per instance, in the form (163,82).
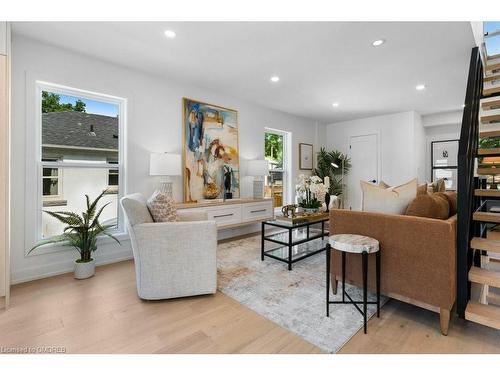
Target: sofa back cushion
(451,196)
(434,206)
(393,200)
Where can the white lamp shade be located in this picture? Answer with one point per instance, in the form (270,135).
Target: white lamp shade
(164,164)
(258,168)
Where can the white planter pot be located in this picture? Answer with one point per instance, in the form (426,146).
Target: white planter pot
(84,270)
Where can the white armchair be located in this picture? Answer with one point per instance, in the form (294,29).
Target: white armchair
(174,259)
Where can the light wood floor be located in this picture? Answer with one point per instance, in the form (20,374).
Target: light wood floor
(104,315)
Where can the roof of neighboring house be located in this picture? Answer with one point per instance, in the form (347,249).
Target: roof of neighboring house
(71,128)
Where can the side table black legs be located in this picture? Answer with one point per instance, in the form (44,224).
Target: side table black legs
(364,256)
(364,265)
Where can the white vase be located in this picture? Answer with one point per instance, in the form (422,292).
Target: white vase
(84,270)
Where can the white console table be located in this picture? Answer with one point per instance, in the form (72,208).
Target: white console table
(233,212)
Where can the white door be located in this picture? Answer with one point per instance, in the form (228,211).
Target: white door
(363,151)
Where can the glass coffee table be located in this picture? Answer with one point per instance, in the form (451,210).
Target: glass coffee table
(296,241)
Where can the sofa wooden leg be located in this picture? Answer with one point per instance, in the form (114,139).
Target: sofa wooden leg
(333,280)
(444,318)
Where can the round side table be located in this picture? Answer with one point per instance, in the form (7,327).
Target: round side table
(355,244)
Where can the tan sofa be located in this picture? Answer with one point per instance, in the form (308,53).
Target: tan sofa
(418,258)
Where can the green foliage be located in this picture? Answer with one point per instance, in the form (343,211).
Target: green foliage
(81,232)
(489,142)
(311,203)
(51,103)
(274,148)
(324,168)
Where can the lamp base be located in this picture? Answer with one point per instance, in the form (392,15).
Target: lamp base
(164,188)
(258,189)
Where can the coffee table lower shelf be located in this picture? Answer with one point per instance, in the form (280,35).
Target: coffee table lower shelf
(291,254)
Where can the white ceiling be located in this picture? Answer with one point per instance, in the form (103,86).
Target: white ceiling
(318,62)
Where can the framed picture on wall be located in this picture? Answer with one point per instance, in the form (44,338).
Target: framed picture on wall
(306,156)
(444,159)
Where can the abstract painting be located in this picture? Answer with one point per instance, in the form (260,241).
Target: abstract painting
(210,151)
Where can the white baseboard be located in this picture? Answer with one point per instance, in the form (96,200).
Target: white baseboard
(54,269)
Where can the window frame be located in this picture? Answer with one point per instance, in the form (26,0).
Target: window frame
(35,164)
(286,166)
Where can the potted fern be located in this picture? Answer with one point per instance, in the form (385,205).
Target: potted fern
(81,232)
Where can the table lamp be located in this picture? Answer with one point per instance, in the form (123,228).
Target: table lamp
(258,169)
(165,165)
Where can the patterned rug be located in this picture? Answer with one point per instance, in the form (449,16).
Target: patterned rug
(293,299)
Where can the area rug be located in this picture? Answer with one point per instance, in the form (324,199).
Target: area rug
(293,299)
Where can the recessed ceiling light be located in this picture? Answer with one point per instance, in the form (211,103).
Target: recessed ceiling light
(275,79)
(378,42)
(420,87)
(170,34)
(335,105)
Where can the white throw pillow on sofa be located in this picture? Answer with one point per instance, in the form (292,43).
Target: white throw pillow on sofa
(393,200)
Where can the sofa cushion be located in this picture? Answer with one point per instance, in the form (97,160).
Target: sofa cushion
(434,206)
(451,196)
(136,209)
(383,185)
(392,201)
(437,186)
(422,189)
(162,208)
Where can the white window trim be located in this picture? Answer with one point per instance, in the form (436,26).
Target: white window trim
(34,165)
(287,166)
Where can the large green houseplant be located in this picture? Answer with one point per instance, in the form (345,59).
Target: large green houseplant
(81,232)
(325,167)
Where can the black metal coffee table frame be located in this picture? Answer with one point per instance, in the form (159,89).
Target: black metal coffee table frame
(290,243)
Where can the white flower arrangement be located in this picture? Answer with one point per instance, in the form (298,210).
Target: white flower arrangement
(311,191)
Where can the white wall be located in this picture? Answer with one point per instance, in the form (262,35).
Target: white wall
(401,144)
(154,124)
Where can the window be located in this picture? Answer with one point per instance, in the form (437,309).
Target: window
(50,181)
(276,153)
(80,154)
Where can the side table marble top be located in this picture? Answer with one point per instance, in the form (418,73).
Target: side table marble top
(354,243)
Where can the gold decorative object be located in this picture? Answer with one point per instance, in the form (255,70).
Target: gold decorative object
(210,191)
(289,208)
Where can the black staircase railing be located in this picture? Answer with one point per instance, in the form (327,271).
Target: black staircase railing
(467,152)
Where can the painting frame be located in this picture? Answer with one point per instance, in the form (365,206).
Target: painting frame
(186,188)
(306,156)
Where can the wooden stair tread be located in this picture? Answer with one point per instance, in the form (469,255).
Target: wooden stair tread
(491,90)
(489,217)
(483,314)
(488,171)
(488,151)
(490,104)
(487,193)
(495,77)
(490,134)
(484,276)
(485,244)
(492,67)
(490,118)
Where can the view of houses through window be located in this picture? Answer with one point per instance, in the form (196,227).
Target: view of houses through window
(80,155)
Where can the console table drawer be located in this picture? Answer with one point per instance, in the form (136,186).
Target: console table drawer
(225,215)
(256,211)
